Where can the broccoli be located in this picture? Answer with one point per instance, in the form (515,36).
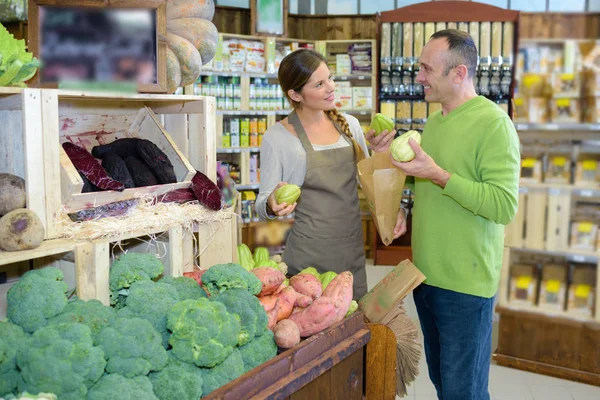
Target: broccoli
(129,268)
(151,301)
(132,347)
(29,396)
(177,381)
(12,338)
(187,288)
(252,314)
(91,313)
(203,332)
(40,294)
(230,369)
(258,351)
(60,359)
(221,277)
(115,386)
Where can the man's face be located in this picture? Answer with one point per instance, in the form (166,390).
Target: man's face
(438,88)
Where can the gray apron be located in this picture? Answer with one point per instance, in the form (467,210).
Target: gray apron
(327,231)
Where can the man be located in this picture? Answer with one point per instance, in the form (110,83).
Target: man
(466,177)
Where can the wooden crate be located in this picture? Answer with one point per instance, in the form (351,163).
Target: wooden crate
(535,218)
(329,365)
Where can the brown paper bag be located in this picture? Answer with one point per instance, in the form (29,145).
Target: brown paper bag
(382,184)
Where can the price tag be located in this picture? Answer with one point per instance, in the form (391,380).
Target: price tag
(590,165)
(344,78)
(585,227)
(523,282)
(578,258)
(586,193)
(583,290)
(361,78)
(552,127)
(559,161)
(528,162)
(553,286)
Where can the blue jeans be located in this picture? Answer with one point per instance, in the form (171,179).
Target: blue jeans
(457,331)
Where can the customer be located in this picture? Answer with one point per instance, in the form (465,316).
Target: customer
(466,179)
(316,148)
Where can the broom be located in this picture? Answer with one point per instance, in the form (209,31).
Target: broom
(408,347)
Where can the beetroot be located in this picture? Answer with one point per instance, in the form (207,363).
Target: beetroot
(85,163)
(207,193)
(124,148)
(177,196)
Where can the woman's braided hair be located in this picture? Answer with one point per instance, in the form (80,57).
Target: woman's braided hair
(294,72)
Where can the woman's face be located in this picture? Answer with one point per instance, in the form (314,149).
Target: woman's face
(318,91)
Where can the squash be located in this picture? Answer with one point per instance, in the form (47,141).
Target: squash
(173,72)
(188,57)
(202,33)
(190,9)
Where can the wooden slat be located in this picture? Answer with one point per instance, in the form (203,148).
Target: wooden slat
(47,248)
(176,252)
(202,137)
(319,388)
(177,126)
(233,20)
(504,277)
(92,263)
(548,369)
(51,158)
(34,154)
(380,365)
(12,154)
(346,378)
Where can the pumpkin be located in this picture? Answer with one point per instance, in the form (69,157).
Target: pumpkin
(191,39)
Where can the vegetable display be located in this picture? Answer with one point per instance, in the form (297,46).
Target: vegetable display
(17,65)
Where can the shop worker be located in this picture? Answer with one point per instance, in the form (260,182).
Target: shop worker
(466,180)
(316,148)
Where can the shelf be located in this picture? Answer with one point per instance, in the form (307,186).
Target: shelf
(238,74)
(581,191)
(521,127)
(229,150)
(359,77)
(357,112)
(259,223)
(253,112)
(578,256)
(47,248)
(254,186)
(544,312)
(552,41)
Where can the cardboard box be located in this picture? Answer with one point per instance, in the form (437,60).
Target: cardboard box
(531,110)
(582,289)
(565,110)
(523,284)
(343,65)
(387,295)
(587,170)
(343,98)
(553,287)
(531,170)
(362,98)
(559,169)
(583,235)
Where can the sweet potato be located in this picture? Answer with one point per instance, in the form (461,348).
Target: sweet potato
(271,279)
(302,300)
(268,302)
(286,333)
(307,285)
(281,287)
(297,309)
(272,317)
(287,299)
(321,314)
(340,288)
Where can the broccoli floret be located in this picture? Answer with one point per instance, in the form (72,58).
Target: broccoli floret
(91,313)
(203,332)
(12,338)
(132,347)
(258,351)
(129,268)
(29,396)
(151,301)
(177,381)
(40,294)
(115,386)
(230,369)
(60,359)
(252,314)
(221,277)
(187,288)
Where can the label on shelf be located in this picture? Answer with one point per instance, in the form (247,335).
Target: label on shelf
(583,291)
(553,285)
(590,165)
(528,162)
(585,227)
(523,282)
(559,161)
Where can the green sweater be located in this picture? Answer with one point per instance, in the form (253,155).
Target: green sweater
(458,232)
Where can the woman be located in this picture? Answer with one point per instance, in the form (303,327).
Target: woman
(316,148)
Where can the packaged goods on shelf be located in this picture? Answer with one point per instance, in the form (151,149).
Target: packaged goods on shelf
(360,58)
(582,289)
(531,169)
(362,98)
(584,235)
(553,287)
(566,84)
(587,170)
(565,110)
(591,110)
(531,110)
(523,284)
(343,97)
(558,169)
(343,65)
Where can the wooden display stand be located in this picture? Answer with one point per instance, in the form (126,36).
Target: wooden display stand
(34,124)
(346,361)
